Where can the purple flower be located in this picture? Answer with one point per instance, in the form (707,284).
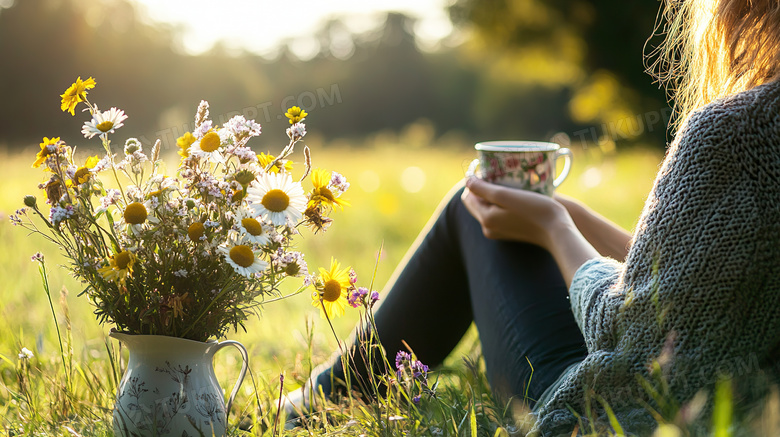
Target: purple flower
(357,297)
(374,297)
(419,369)
(354,299)
(400,358)
(37,257)
(416,399)
(16,219)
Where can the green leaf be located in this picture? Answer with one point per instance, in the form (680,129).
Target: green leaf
(612,418)
(473,420)
(723,409)
(7,360)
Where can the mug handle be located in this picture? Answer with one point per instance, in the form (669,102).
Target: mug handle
(244,366)
(566,153)
(472,170)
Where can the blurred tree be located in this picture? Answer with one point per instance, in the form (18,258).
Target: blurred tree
(534,68)
(46,44)
(589,50)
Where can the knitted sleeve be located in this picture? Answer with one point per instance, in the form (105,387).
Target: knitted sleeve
(591,302)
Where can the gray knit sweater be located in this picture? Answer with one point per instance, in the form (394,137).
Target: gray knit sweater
(702,275)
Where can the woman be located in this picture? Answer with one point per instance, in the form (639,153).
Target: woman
(699,286)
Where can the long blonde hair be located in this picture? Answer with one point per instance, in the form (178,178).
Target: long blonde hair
(714,48)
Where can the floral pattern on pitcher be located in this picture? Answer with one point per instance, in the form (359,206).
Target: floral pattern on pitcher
(169,388)
(158,415)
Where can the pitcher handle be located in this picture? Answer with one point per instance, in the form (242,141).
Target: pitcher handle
(566,153)
(244,366)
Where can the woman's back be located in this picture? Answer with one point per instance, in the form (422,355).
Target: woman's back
(702,276)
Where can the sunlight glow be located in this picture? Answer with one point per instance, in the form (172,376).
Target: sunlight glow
(260,26)
(412,179)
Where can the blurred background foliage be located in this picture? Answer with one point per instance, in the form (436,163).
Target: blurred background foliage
(516,69)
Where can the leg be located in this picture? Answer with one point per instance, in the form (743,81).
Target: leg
(514,293)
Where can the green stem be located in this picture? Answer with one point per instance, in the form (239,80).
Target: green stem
(42,270)
(107,146)
(205,311)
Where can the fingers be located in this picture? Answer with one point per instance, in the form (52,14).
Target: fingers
(484,190)
(473,203)
(507,198)
(481,210)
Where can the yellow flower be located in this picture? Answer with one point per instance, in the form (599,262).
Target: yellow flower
(76,94)
(82,174)
(119,267)
(184,142)
(264,159)
(331,294)
(321,193)
(45,151)
(295,114)
(195,231)
(135,213)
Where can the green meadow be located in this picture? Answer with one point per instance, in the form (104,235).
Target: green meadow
(396,183)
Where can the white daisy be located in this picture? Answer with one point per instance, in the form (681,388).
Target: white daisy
(243,259)
(209,146)
(277,198)
(251,228)
(104,122)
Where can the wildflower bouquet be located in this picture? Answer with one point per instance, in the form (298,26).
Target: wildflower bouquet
(189,255)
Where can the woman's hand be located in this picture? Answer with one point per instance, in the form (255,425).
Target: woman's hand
(517,215)
(513,214)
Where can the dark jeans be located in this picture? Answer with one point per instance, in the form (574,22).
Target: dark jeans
(513,292)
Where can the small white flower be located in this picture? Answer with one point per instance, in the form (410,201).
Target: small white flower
(58,214)
(277,198)
(296,131)
(203,128)
(25,354)
(291,263)
(339,182)
(111,197)
(134,193)
(70,171)
(104,122)
(102,164)
(240,127)
(243,259)
(243,153)
(251,228)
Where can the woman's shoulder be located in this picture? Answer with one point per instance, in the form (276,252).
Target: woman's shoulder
(754,111)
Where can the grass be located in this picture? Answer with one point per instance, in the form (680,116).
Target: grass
(69,391)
